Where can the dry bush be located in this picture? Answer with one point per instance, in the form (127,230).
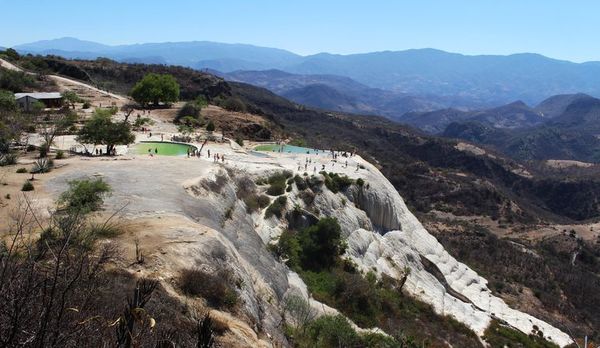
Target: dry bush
(217,288)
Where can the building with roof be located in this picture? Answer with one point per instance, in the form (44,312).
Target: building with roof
(50,99)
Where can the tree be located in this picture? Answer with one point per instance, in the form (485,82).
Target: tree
(71,98)
(7,101)
(156,88)
(50,127)
(12,54)
(210,127)
(128,109)
(188,110)
(321,244)
(101,130)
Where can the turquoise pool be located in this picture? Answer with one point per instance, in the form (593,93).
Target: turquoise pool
(286,149)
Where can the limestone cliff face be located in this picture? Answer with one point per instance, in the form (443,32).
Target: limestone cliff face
(382,235)
(399,241)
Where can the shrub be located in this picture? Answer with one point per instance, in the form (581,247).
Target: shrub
(255,202)
(8,159)
(277,207)
(360,182)
(189,109)
(22,170)
(239,140)
(300,183)
(276,188)
(210,127)
(86,105)
(60,154)
(27,186)
(335,182)
(288,248)
(234,104)
(321,244)
(498,335)
(84,196)
(332,331)
(307,196)
(314,182)
(105,230)
(217,288)
(277,182)
(7,196)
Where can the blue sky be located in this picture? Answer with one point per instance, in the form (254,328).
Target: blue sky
(561,29)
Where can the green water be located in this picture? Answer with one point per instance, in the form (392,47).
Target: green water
(285,148)
(162,148)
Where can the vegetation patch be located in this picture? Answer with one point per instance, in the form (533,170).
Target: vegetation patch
(27,186)
(277,183)
(277,207)
(315,253)
(84,196)
(217,288)
(335,182)
(255,202)
(498,335)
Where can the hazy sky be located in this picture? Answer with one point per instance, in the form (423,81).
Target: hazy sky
(565,29)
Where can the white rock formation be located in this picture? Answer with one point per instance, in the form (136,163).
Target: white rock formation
(382,234)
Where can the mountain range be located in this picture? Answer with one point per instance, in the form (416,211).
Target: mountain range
(564,127)
(483,80)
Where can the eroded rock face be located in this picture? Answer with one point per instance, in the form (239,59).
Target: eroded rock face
(214,229)
(383,235)
(402,241)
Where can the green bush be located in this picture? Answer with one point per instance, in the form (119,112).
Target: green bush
(277,182)
(60,154)
(276,188)
(335,182)
(301,184)
(210,127)
(360,182)
(332,331)
(335,331)
(234,104)
(498,335)
(289,248)
(239,140)
(189,109)
(321,244)
(255,202)
(86,105)
(27,186)
(277,207)
(22,170)
(84,196)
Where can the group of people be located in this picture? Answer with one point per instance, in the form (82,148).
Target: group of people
(196,153)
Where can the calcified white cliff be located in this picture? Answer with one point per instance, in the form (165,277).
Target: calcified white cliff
(204,224)
(382,234)
(400,241)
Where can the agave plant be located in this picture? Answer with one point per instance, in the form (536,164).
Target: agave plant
(42,165)
(8,159)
